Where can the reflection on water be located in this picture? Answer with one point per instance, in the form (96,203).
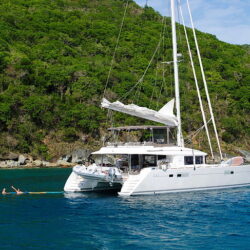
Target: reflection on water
(79,195)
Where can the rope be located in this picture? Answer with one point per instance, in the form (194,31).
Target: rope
(116,46)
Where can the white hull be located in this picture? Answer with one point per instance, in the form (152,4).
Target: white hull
(157,181)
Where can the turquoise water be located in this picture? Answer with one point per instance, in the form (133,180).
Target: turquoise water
(198,220)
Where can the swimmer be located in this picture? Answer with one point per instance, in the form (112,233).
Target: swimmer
(18,191)
(4,191)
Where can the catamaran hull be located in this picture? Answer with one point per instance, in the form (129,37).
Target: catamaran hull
(78,183)
(157,181)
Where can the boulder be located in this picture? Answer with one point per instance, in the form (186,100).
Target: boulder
(66,158)
(3,164)
(38,163)
(22,159)
(80,155)
(63,163)
(12,163)
(50,164)
(28,160)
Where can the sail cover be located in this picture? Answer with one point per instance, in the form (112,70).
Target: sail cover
(165,115)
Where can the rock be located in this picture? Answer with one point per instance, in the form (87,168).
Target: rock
(9,156)
(50,164)
(3,164)
(66,158)
(12,163)
(28,160)
(22,159)
(38,163)
(29,165)
(45,163)
(80,155)
(64,163)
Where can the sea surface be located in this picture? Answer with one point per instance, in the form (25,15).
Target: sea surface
(195,220)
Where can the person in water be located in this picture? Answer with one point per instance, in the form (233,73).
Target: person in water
(18,191)
(4,191)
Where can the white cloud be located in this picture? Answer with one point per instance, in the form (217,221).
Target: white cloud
(229,20)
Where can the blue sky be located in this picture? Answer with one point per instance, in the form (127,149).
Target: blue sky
(229,20)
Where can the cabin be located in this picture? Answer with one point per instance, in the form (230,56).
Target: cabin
(137,147)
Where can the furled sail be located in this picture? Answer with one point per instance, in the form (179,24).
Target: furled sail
(165,115)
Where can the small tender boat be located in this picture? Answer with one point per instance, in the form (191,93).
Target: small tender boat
(94,178)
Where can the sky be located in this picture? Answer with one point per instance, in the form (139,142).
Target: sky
(229,20)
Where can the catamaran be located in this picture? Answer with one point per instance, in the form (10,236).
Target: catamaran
(159,162)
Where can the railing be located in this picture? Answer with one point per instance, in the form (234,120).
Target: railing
(139,144)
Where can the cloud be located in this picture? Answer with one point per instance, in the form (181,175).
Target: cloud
(229,20)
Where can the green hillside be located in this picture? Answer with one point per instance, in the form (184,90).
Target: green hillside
(54,61)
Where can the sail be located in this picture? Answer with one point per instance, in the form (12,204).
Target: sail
(165,115)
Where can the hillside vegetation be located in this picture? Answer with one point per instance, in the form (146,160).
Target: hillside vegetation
(54,61)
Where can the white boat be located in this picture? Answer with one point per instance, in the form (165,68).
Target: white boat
(160,166)
(94,178)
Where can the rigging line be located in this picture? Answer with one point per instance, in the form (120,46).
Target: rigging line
(181,49)
(201,128)
(196,81)
(145,72)
(163,65)
(163,84)
(137,94)
(116,47)
(189,138)
(205,81)
(163,57)
(157,61)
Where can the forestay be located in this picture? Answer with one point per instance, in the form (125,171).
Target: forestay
(165,115)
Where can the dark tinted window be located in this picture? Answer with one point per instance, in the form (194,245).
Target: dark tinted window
(198,159)
(161,157)
(149,160)
(189,160)
(171,175)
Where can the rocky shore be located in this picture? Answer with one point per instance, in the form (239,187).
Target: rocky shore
(13,160)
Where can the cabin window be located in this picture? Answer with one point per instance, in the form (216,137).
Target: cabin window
(198,159)
(178,175)
(149,161)
(171,175)
(161,157)
(189,160)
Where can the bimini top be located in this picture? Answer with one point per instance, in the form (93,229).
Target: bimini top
(132,128)
(165,115)
(148,150)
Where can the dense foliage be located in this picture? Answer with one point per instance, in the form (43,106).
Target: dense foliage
(54,61)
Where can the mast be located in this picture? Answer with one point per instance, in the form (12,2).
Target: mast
(180,141)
